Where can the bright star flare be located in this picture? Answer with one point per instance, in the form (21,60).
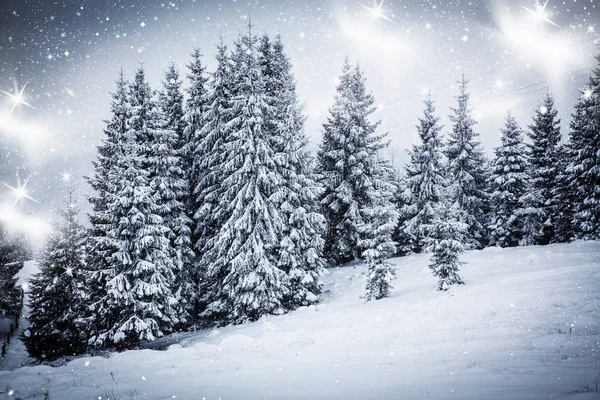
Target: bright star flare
(20,192)
(17,97)
(376,11)
(539,13)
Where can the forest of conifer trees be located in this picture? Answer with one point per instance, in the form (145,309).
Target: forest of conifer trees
(210,209)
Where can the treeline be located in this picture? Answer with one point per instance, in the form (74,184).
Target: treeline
(209,209)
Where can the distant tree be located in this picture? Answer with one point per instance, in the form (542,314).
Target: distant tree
(58,293)
(544,159)
(584,165)
(401,198)
(13,251)
(530,218)
(466,169)
(564,198)
(508,182)
(349,166)
(425,180)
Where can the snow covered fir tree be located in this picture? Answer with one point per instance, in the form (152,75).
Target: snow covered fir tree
(467,168)
(508,183)
(58,292)
(544,159)
(425,182)
(449,235)
(583,170)
(351,171)
(13,251)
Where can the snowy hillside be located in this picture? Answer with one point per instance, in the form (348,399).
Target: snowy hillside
(526,326)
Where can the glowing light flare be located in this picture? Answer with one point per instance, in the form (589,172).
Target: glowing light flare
(587,93)
(374,42)
(20,192)
(35,136)
(33,227)
(376,11)
(17,97)
(65,177)
(539,13)
(554,52)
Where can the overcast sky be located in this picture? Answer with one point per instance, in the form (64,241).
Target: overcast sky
(68,53)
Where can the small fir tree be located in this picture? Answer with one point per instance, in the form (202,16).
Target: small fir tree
(449,232)
(382,218)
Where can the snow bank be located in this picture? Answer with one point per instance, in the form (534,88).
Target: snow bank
(526,326)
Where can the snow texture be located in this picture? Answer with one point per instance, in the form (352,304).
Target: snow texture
(525,326)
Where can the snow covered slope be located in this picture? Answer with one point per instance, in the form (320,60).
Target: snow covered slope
(526,326)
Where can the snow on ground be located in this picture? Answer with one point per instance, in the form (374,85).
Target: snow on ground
(526,326)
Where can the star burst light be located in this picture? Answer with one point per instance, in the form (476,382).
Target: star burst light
(376,11)
(65,177)
(587,93)
(539,13)
(17,97)
(20,191)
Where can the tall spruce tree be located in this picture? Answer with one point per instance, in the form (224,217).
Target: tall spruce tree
(99,246)
(58,292)
(138,303)
(425,179)
(170,184)
(584,165)
(208,153)
(466,169)
(349,165)
(301,243)
(193,152)
(240,256)
(508,182)
(544,160)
